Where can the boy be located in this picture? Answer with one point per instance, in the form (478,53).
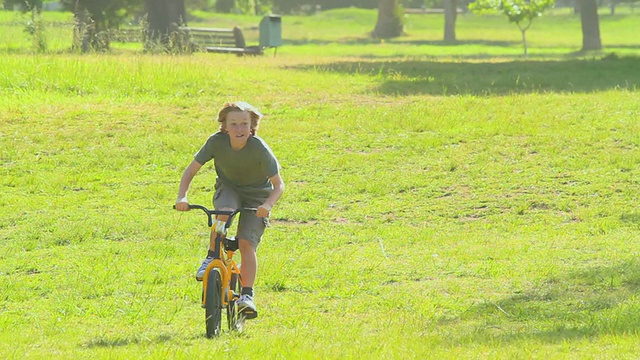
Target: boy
(247,176)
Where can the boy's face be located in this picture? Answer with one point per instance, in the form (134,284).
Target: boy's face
(238,125)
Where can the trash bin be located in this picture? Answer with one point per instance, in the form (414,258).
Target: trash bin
(271,31)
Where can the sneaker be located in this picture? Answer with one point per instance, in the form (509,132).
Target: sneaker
(246,307)
(203,267)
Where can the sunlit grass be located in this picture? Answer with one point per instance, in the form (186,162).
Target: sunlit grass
(437,206)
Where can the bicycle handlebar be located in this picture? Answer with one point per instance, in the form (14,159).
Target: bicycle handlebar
(210,213)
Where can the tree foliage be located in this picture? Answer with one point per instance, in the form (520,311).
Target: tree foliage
(293,6)
(520,12)
(106,13)
(35,25)
(94,18)
(26,5)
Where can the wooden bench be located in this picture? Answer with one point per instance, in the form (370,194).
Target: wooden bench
(230,41)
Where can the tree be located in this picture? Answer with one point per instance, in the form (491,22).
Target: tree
(225,6)
(163,17)
(35,26)
(242,6)
(519,12)
(450,16)
(26,5)
(94,19)
(590,25)
(390,24)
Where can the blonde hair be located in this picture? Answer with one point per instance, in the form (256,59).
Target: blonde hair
(239,106)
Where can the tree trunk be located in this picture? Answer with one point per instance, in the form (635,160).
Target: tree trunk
(590,25)
(79,26)
(450,16)
(85,30)
(389,23)
(612,8)
(163,17)
(225,6)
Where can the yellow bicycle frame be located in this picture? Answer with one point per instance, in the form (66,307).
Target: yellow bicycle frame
(227,267)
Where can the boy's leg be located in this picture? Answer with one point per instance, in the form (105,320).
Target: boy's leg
(250,230)
(248,271)
(212,238)
(224,199)
(249,267)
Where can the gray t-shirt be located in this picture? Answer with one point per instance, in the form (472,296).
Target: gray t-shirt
(247,170)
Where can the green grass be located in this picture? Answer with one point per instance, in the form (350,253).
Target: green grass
(462,204)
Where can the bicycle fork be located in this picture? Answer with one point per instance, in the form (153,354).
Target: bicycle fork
(226,270)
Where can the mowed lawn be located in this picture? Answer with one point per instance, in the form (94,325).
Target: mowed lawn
(464,204)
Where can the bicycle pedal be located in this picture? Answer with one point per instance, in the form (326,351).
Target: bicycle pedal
(248,314)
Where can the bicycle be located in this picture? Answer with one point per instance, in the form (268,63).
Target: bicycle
(222,282)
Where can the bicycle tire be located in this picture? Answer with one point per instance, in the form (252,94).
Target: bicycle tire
(234,320)
(213,304)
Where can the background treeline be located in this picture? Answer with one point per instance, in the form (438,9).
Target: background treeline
(278,6)
(297,6)
(248,6)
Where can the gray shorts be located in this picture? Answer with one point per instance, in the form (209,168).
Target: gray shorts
(250,227)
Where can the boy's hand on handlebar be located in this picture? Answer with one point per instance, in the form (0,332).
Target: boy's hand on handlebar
(263,211)
(182,205)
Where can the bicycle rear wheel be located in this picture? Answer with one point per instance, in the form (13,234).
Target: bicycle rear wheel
(213,303)
(234,320)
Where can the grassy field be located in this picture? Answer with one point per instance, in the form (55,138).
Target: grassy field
(441,202)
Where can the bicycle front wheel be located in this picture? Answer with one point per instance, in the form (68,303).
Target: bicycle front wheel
(213,304)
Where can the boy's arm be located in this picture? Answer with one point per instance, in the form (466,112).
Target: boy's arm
(278,189)
(182,204)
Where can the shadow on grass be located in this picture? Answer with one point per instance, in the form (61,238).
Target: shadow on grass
(118,341)
(592,303)
(632,218)
(369,41)
(623,46)
(122,341)
(412,77)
